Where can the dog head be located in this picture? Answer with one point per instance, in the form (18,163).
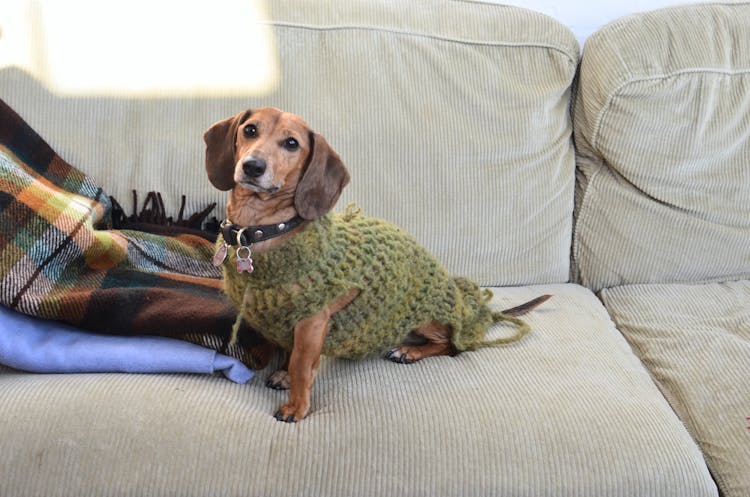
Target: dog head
(270,153)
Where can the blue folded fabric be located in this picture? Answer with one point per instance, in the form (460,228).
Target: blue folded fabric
(41,346)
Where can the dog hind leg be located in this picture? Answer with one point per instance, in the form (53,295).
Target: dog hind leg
(432,339)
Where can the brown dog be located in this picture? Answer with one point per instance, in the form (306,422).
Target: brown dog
(282,177)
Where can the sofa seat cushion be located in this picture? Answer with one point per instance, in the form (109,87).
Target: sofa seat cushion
(569,410)
(695,341)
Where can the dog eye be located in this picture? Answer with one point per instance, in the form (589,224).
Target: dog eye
(290,144)
(250,131)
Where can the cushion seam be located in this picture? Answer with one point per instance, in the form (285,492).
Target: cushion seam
(461,41)
(616,93)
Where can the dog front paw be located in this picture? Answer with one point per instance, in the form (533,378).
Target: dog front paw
(291,413)
(279,380)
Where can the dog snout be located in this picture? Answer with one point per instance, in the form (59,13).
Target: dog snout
(254,168)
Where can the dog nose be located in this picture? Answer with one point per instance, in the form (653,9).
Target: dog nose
(254,168)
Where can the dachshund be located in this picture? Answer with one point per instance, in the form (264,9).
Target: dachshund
(283,178)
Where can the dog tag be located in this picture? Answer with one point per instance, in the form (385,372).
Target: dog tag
(244,263)
(221,255)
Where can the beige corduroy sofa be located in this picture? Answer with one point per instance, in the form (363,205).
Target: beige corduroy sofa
(616,178)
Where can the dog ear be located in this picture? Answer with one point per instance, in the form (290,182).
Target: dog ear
(323,180)
(220,148)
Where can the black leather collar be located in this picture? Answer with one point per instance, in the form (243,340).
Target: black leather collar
(246,235)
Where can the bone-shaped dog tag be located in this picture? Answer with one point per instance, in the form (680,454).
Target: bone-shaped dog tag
(244,262)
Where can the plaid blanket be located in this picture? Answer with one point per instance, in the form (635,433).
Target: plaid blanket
(61,259)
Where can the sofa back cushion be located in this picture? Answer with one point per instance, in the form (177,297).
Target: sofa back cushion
(662,128)
(453,120)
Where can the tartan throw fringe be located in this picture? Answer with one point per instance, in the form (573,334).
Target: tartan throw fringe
(62,259)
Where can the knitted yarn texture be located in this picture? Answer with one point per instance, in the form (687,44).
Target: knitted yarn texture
(402,287)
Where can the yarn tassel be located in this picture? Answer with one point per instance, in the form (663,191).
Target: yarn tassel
(351,211)
(240,316)
(509,315)
(522,330)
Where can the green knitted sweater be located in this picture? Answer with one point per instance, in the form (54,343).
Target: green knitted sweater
(402,287)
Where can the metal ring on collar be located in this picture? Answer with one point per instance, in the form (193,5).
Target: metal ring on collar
(239,237)
(249,252)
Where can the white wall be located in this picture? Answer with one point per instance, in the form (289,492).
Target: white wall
(584,17)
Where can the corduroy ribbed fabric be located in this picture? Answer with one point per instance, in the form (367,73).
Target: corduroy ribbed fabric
(662,124)
(430,104)
(567,412)
(695,341)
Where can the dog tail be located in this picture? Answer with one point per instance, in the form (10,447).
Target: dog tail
(471,332)
(527,306)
